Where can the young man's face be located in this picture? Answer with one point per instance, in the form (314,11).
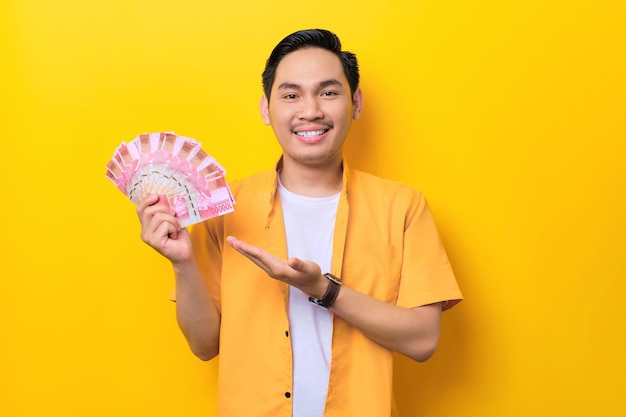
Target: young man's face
(311,107)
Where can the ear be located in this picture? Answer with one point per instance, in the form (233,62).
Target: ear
(357,100)
(264,107)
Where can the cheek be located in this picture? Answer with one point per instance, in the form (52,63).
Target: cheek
(279,118)
(281,131)
(343,112)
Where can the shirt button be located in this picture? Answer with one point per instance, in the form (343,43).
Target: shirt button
(288,394)
(287,333)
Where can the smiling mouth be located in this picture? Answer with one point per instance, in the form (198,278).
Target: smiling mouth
(311,133)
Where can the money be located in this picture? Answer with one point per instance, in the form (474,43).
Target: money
(174,166)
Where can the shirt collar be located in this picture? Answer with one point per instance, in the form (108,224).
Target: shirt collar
(347,173)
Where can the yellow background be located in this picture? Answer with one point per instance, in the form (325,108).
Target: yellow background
(508,115)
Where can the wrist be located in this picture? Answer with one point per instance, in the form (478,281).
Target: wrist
(330,293)
(320,287)
(182,268)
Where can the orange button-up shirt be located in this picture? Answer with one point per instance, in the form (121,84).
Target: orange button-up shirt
(385,245)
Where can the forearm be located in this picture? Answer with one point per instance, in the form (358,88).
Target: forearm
(412,332)
(196,312)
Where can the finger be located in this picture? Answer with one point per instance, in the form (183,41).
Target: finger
(152,226)
(152,210)
(232,241)
(162,233)
(166,231)
(165,202)
(297,264)
(254,260)
(273,266)
(146,202)
(245,248)
(148,208)
(253,257)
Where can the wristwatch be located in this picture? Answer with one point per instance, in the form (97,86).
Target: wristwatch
(329,297)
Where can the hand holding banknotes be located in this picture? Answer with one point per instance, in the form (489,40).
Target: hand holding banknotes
(161,229)
(175,167)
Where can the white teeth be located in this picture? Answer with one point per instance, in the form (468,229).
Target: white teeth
(310,133)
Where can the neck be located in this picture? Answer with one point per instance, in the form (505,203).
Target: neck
(312,181)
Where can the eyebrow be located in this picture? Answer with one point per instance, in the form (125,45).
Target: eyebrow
(322,84)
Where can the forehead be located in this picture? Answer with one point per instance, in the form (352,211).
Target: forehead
(309,65)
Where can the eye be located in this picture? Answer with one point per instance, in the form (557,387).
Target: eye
(290,96)
(329,93)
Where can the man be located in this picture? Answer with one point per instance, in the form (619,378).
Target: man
(345,267)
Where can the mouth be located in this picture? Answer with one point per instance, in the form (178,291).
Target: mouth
(307,134)
(311,135)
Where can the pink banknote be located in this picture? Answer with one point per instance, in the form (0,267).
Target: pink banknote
(174,166)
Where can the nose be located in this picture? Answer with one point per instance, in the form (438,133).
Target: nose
(311,109)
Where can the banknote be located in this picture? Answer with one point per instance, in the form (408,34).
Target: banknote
(174,166)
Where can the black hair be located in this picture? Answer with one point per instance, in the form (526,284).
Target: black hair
(310,38)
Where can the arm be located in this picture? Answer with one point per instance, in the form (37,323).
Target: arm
(412,332)
(197,316)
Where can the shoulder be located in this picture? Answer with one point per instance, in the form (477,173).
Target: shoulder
(262,183)
(259,179)
(366,185)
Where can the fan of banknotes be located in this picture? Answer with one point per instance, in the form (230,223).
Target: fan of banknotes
(176,167)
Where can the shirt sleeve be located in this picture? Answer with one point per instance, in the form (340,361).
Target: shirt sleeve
(427,276)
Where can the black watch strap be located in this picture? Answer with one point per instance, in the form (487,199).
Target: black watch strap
(329,297)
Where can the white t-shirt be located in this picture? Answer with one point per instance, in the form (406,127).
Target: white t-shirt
(309,225)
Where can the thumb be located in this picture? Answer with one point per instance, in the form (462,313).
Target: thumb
(163,200)
(297,264)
